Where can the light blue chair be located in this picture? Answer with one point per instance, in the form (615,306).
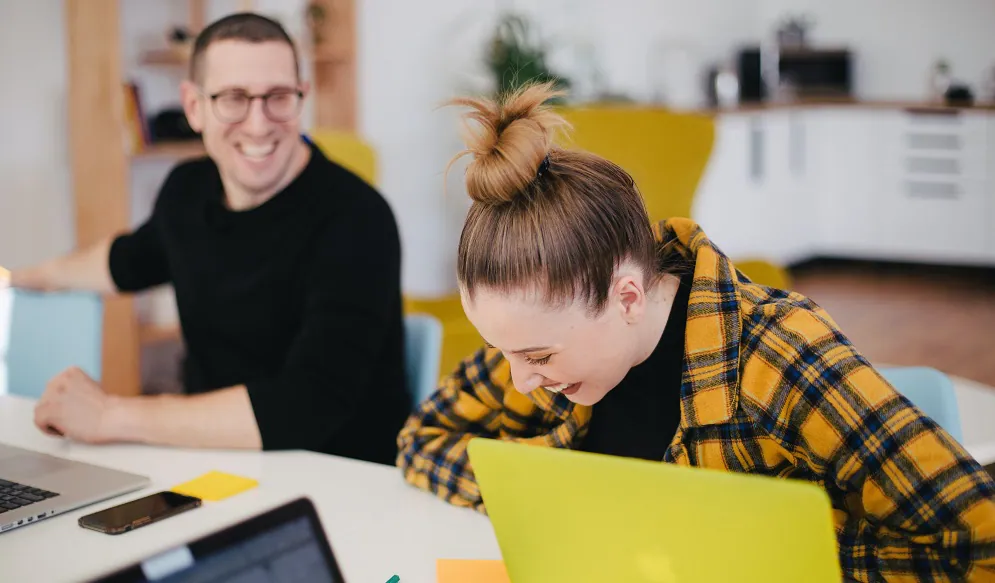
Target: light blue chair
(422,351)
(50,332)
(931,391)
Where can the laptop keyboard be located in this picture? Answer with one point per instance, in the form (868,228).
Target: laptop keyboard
(14,495)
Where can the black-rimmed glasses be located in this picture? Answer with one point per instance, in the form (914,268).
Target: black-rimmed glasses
(279,105)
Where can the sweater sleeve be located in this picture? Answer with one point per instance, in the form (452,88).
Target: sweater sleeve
(477,400)
(350,309)
(137,260)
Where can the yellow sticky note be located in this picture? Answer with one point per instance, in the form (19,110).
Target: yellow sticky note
(214,486)
(471,571)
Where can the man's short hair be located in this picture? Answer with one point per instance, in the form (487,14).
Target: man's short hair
(244,26)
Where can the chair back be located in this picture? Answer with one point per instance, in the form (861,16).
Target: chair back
(665,152)
(422,351)
(349,151)
(931,391)
(46,333)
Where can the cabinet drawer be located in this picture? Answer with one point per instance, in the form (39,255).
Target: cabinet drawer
(929,219)
(961,133)
(934,148)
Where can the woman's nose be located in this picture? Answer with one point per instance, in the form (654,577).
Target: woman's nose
(525,380)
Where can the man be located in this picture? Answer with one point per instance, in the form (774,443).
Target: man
(286,269)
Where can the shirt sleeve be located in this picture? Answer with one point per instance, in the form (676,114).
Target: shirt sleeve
(350,310)
(917,506)
(477,400)
(137,260)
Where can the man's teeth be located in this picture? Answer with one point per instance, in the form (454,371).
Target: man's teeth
(258,151)
(557,388)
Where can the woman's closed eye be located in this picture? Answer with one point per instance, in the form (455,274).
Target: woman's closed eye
(538,361)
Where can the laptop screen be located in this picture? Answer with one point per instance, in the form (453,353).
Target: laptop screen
(285,545)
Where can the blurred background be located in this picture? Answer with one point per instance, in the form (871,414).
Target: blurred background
(845,150)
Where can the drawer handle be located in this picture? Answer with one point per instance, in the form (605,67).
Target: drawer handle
(950,142)
(933,190)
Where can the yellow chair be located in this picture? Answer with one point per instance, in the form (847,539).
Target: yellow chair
(349,151)
(666,153)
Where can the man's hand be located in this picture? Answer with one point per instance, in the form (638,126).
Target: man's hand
(85,269)
(75,406)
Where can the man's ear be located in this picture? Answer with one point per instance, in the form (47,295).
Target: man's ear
(305,88)
(193,107)
(631,298)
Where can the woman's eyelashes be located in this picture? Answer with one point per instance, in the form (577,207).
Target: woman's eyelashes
(529,359)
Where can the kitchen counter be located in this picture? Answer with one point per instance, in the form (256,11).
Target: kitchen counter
(912,106)
(807,103)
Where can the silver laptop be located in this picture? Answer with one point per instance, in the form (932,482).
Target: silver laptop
(34,485)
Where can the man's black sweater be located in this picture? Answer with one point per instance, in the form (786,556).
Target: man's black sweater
(298,299)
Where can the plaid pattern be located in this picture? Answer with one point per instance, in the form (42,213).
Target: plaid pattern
(770,386)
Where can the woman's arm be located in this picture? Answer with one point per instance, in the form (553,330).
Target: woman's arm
(920,508)
(478,400)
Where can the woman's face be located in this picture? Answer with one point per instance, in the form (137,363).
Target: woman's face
(562,349)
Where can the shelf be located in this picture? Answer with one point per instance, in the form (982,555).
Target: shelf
(165,58)
(169,150)
(328,58)
(158,333)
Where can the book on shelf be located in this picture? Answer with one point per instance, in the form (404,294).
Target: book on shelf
(136,127)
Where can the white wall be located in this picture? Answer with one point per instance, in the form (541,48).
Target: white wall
(412,59)
(36,218)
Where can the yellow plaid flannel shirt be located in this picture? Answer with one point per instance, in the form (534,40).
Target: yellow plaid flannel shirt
(770,386)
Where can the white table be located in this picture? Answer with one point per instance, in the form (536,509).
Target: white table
(976,405)
(377,524)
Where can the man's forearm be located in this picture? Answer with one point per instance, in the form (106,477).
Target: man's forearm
(85,269)
(221,419)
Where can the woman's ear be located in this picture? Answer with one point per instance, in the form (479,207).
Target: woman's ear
(631,298)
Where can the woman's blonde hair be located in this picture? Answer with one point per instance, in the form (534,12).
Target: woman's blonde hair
(560,221)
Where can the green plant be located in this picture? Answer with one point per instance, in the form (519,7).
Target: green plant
(316,14)
(515,59)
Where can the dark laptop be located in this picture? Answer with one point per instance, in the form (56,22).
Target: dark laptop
(286,545)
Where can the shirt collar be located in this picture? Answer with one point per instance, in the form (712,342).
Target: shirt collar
(710,391)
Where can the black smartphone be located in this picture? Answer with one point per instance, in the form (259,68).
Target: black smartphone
(138,513)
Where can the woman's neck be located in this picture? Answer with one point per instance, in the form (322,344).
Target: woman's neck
(660,302)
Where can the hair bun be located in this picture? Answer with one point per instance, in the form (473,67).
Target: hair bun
(513,136)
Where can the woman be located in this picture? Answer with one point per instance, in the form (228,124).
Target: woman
(610,335)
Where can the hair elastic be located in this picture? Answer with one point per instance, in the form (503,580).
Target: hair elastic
(543,166)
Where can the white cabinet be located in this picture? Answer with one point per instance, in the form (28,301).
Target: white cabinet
(754,200)
(789,224)
(934,194)
(847,151)
(848,181)
(729,195)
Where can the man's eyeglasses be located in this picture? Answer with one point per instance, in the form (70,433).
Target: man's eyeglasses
(279,105)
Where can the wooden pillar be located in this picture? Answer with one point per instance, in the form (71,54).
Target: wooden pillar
(195,11)
(334,62)
(100,166)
